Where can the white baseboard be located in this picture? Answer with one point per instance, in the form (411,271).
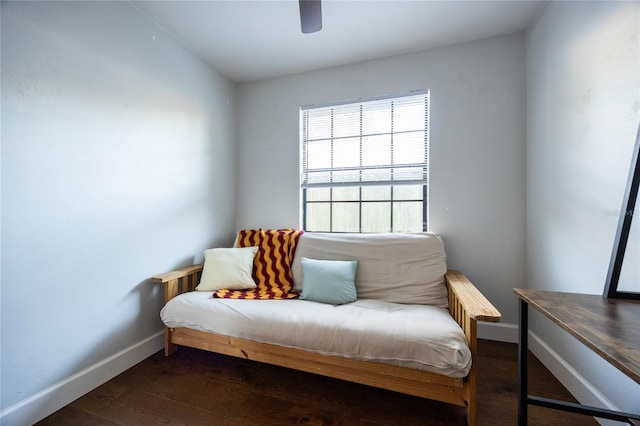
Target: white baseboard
(498,331)
(38,406)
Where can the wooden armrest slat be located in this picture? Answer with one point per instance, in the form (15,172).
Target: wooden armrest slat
(178,273)
(475,304)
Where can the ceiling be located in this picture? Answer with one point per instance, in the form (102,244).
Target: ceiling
(252,40)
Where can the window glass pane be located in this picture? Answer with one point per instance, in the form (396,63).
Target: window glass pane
(407,192)
(319,155)
(346,217)
(408,173)
(407,217)
(318,194)
(346,176)
(376,193)
(318,215)
(376,175)
(318,123)
(319,177)
(346,152)
(376,217)
(408,115)
(376,119)
(408,148)
(346,193)
(376,150)
(346,121)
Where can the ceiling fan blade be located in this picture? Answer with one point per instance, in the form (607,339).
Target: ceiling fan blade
(310,16)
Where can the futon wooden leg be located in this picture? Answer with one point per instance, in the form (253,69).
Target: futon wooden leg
(472,406)
(169,347)
(471,415)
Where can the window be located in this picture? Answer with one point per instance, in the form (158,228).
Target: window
(365,165)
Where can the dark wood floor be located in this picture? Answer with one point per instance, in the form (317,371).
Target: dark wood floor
(200,388)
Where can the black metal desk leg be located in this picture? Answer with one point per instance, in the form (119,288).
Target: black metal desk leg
(523,351)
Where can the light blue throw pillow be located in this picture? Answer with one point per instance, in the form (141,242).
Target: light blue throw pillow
(329,281)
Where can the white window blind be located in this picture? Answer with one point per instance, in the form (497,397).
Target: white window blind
(372,142)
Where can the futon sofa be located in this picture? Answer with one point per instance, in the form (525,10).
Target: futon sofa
(377,309)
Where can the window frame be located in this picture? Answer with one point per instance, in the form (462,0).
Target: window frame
(391,167)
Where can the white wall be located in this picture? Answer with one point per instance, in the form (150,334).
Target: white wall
(583,99)
(477,171)
(118,163)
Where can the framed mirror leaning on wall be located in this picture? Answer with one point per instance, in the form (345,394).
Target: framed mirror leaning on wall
(623,277)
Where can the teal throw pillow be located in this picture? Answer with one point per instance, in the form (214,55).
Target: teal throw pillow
(329,281)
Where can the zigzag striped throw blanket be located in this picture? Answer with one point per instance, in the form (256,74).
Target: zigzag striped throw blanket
(271,266)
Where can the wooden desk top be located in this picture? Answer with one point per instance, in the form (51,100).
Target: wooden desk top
(609,327)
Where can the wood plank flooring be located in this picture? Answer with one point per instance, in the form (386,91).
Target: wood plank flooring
(199,388)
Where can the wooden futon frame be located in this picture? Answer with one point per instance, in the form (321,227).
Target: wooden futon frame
(466,305)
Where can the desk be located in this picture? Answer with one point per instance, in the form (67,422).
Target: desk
(609,327)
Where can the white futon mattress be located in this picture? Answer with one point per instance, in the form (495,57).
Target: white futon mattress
(415,336)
